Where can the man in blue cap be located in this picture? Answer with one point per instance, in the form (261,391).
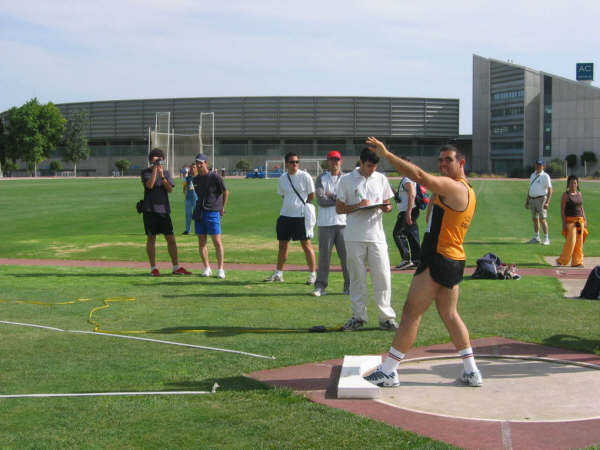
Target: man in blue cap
(538,199)
(212,200)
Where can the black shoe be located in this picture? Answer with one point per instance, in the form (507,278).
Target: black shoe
(404,265)
(186,232)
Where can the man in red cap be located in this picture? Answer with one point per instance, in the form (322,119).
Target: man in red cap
(331,224)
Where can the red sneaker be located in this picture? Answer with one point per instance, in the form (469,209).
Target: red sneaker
(181,271)
(155,273)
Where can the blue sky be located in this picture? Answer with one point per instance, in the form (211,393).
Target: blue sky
(68,51)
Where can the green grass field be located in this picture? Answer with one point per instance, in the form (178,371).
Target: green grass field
(96,219)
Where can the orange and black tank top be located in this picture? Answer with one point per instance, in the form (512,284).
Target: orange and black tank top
(446,227)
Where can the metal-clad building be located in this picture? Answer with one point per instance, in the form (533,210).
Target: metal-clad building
(259,128)
(521,115)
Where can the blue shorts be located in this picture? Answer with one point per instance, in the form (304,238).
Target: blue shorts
(210,223)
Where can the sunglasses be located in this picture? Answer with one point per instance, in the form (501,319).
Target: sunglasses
(294,162)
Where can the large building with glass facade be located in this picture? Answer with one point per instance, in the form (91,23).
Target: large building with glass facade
(521,115)
(260,128)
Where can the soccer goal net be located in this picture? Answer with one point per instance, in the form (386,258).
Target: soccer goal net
(207,135)
(274,168)
(179,146)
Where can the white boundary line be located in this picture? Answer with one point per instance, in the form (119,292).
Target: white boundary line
(112,394)
(216,349)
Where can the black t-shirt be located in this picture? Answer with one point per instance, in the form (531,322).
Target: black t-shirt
(210,190)
(156,199)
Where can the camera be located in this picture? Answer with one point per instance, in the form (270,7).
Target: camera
(159,162)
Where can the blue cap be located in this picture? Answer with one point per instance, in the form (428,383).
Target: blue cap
(540,162)
(201,157)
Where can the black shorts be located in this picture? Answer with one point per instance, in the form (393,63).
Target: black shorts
(445,271)
(155,223)
(291,228)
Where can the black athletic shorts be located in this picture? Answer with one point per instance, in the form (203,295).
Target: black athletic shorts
(445,271)
(155,223)
(291,228)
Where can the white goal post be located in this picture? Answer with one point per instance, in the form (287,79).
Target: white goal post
(310,165)
(180,146)
(207,135)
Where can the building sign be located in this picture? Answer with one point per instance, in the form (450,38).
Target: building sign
(585,71)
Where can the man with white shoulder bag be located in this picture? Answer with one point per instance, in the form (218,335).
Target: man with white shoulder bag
(297,189)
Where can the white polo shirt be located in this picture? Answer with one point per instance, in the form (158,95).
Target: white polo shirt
(541,184)
(292,206)
(365,225)
(327,215)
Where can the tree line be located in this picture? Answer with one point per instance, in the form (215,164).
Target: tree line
(31,132)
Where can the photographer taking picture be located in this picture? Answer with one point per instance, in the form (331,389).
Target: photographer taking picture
(158,183)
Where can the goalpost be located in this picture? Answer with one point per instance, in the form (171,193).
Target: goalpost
(274,168)
(207,135)
(177,146)
(311,165)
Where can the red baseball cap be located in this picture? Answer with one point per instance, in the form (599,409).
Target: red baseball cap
(334,154)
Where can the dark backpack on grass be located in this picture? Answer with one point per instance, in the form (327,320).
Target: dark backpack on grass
(591,290)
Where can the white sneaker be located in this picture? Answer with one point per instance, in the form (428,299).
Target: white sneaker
(318,292)
(546,241)
(221,274)
(379,378)
(471,379)
(534,240)
(206,272)
(275,276)
(311,279)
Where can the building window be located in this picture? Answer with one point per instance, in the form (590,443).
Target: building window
(547,138)
(507,95)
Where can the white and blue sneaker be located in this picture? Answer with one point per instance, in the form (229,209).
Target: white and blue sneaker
(472,378)
(379,378)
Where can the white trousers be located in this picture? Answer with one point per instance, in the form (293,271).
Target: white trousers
(359,255)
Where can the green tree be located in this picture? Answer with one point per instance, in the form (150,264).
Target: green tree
(33,131)
(2,146)
(55,166)
(589,157)
(122,165)
(243,164)
(571,160)
(75,145)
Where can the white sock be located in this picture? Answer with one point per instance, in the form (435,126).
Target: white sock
(546,237)
(537,235)
(468,360)
(279,272)
(175,267)
(313,274)
(152,268)
(392,360)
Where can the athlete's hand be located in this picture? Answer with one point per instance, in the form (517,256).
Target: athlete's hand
(376,145)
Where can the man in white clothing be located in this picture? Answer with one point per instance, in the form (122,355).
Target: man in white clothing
(297,188)
(331,224)
(364,195)
(538,199)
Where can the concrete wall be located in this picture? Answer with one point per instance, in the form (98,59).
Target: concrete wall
(575,120)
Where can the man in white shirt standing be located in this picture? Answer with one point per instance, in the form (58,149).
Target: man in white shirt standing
(364,195)
(297,188)
(538,199)
(331,224)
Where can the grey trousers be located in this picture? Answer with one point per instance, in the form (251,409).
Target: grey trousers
(328,237)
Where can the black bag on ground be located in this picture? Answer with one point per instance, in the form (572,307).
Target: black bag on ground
(487,267)
(591,290)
